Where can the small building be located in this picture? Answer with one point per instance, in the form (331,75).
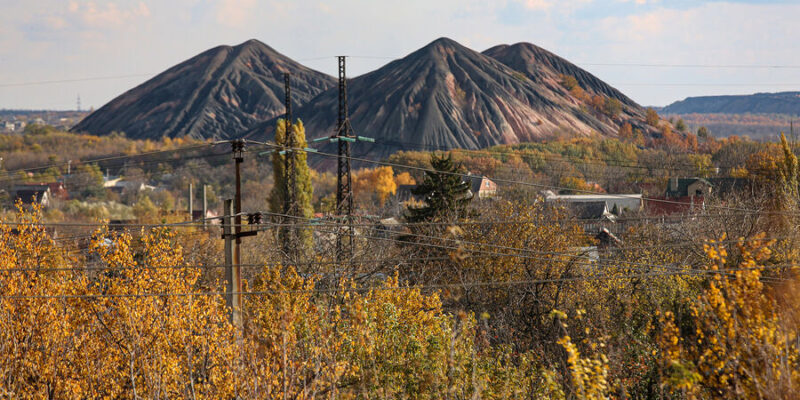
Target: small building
(688,187)
(591,211)
(482,187)
(119,184)
(211,217)
(682,196)
(58,190)
(667,206)
(404,193)
(616,203)
(33,194)
(7,126)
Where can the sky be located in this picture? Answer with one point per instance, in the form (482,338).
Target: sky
(655,51)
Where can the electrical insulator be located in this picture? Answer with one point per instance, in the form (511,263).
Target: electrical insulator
(254,219)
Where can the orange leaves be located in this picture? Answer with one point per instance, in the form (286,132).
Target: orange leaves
(379,181)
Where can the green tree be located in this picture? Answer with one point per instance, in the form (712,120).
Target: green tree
(87,181)
(702,132)
(145,210)
(446,194)
(681,125)
(303,190)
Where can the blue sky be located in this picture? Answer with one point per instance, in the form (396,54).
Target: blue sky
(126,41)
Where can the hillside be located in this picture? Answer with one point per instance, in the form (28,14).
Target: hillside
(759,103)
(545,68)
(217,94)
(755,126)
(446,96)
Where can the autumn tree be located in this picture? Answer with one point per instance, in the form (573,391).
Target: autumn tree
(126,323)
(612,107)
(568,81)
(404,178)
(625,132)
(379,182)
(734,340)
(651,117)
(298,239)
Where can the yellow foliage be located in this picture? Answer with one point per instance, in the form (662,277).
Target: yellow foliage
(404,178)
(133,322)
(379,181)
(70,332)
(734,342)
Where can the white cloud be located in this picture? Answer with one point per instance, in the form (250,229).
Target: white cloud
(566,6)
(235,12)
(109,15)
(538,4)
(640,2)
(141,36)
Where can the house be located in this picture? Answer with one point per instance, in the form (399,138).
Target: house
(33,194)
(616,203)
(119,184)
(404,193)
(591,211)
(683,196)
(58,190)
(7,126)
(482,186)
(211,217)
(688,187)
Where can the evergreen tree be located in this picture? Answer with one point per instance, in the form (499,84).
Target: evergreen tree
(446,194)
(303,190)
(702,132)
(681,125)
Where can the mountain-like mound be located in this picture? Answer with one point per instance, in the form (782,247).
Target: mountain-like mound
(759,103)
(219,94)
(546,70)
(446,96)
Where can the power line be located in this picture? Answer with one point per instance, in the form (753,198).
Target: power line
(93,78)
(668,65)
(464,285)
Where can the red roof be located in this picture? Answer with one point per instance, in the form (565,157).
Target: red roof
(673,205)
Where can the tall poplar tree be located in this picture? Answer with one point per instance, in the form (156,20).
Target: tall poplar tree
(298,240)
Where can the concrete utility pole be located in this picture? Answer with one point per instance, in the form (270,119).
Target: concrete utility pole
(233,283)
(233,239)
(205,208)
(191,202)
